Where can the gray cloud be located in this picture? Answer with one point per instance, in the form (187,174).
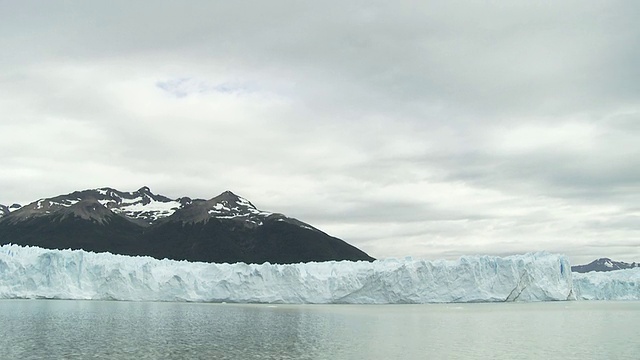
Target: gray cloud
(431,130)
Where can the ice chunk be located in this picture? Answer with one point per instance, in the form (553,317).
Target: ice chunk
(30,272)
(610,285)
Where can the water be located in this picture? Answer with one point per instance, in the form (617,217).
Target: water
(67,329)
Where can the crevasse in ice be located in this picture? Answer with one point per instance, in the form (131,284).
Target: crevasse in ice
(30,272)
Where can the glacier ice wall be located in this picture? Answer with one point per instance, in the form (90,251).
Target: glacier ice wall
(610,285)
(30,272)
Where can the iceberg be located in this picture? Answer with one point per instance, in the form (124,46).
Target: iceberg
(31,272)
(610,285)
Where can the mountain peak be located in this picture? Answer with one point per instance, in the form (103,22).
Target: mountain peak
(88,209)
(227,207)
(230,200)
(226,196)
(603,264)
(145,190)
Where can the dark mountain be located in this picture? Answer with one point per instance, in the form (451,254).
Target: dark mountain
(226,228)
(603,264)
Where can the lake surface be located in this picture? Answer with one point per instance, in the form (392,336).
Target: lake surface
(70,329)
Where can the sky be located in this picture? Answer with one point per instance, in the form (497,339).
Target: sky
(429,129)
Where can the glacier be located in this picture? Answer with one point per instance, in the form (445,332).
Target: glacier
(31,272)
(610,285)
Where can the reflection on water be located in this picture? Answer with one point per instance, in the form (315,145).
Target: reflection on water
(34,329)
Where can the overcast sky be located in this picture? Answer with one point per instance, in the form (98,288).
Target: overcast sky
(424,129)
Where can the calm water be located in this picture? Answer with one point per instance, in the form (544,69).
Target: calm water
(34,329)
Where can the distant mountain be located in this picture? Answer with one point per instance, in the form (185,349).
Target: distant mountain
(226,228)
(603,264)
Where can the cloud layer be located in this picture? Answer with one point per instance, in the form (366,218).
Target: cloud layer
(431,130)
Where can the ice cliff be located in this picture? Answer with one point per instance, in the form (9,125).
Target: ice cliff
(611,285)
(30,272)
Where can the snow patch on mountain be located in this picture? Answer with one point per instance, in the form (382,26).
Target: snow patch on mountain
(30,272)
(140,205)
(150,212)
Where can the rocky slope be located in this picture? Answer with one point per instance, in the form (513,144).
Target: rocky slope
(226,228)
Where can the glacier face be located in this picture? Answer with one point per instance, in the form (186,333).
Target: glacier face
(611,285)
(30,272)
